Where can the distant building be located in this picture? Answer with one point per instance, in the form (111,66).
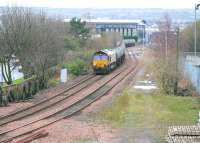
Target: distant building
(125,27)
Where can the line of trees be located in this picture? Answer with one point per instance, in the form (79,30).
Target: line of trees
(29,40)
(170,44)
(37,43)
(188,38)
(166,60)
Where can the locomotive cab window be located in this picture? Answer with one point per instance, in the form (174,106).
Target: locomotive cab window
(100,57)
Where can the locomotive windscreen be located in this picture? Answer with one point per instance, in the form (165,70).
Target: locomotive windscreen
(100,57)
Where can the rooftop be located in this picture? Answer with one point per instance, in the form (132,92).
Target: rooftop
(122,21)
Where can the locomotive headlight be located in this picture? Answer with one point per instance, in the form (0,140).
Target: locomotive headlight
(94,63)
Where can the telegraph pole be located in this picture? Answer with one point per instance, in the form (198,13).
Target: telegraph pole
(166,42)
(177,59)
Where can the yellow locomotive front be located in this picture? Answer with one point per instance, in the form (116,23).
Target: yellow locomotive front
(100,62)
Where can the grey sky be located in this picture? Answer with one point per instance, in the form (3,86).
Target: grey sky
(102,3)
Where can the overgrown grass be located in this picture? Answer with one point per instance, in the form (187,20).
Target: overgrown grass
(137,110)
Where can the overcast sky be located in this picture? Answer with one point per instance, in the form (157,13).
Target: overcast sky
(102,3)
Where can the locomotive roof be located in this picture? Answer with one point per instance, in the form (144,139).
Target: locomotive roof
(107,51)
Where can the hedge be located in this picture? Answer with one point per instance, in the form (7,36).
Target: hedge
(20,92)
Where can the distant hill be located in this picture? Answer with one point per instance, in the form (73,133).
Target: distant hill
(182,15)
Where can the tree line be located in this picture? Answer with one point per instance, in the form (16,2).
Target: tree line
(36,43)
(33,41)
(29,40)
(170,45)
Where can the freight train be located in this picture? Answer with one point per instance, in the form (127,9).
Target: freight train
(104,61)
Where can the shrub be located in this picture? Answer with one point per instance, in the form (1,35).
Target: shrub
(11,96)
(76,67)
(80,63)
(4,100)
(53,83)
(71,43)
(20,92)
(35,87)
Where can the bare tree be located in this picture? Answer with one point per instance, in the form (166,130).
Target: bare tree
(47,46)
(166,56)
(113,39)
(13,32)
(165,38)
(32,38)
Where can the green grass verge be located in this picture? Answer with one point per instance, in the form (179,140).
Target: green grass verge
(17,81)
(149,111)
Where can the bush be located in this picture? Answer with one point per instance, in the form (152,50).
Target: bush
(20,92)
(53,83)
(35,87)
(72,43)
(76,67)
(11,96)
(29,92)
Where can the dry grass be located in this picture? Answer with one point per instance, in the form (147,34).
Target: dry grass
(155,112)
(151,110)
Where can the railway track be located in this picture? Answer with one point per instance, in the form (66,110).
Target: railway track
(57,100)
(15,115)
(82,100)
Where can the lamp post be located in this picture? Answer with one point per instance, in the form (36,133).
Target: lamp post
(195,28)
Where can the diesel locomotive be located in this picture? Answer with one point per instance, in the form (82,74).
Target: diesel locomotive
(104,61)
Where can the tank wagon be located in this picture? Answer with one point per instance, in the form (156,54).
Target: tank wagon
(129,43)
(104,61)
